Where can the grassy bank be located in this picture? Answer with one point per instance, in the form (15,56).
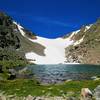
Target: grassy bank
(24,87)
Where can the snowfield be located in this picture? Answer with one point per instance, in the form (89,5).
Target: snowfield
(54,52)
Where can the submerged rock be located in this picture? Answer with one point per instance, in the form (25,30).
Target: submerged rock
(95,78)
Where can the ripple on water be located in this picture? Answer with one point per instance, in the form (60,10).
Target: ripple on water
(60,73)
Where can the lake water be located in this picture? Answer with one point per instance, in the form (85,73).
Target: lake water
(60,73)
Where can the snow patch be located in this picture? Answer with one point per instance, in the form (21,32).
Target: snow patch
(73,33)
(79,41)
(20,28)
(87,27)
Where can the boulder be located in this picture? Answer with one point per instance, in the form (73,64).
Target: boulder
(86,94)
(2,98)
(97,93)
(29,97)
(12,71)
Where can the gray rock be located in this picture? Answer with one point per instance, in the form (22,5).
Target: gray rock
(93,77)
(12,71)
(97,93)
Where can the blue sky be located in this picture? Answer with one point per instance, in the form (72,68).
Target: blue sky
(52,18)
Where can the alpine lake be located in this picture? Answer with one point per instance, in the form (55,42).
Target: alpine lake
(59,73)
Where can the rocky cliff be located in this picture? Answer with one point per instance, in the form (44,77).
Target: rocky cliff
(12,42)
(86,46)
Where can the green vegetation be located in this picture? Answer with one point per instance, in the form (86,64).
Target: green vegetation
(10,60)
(24,87)
(10,56)
(10,64)
(6,54)
(8,36)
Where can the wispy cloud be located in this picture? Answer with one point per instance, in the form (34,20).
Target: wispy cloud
(46,20)
(42,19)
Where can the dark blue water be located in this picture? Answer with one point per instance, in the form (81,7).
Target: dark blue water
(60,73)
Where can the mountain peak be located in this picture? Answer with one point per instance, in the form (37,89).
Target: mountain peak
(2,13)
(98,20)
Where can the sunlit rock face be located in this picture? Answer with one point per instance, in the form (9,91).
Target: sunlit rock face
(86,48)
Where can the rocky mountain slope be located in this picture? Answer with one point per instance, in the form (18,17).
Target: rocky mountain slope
(9,41)
(86,47)
(13,41)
